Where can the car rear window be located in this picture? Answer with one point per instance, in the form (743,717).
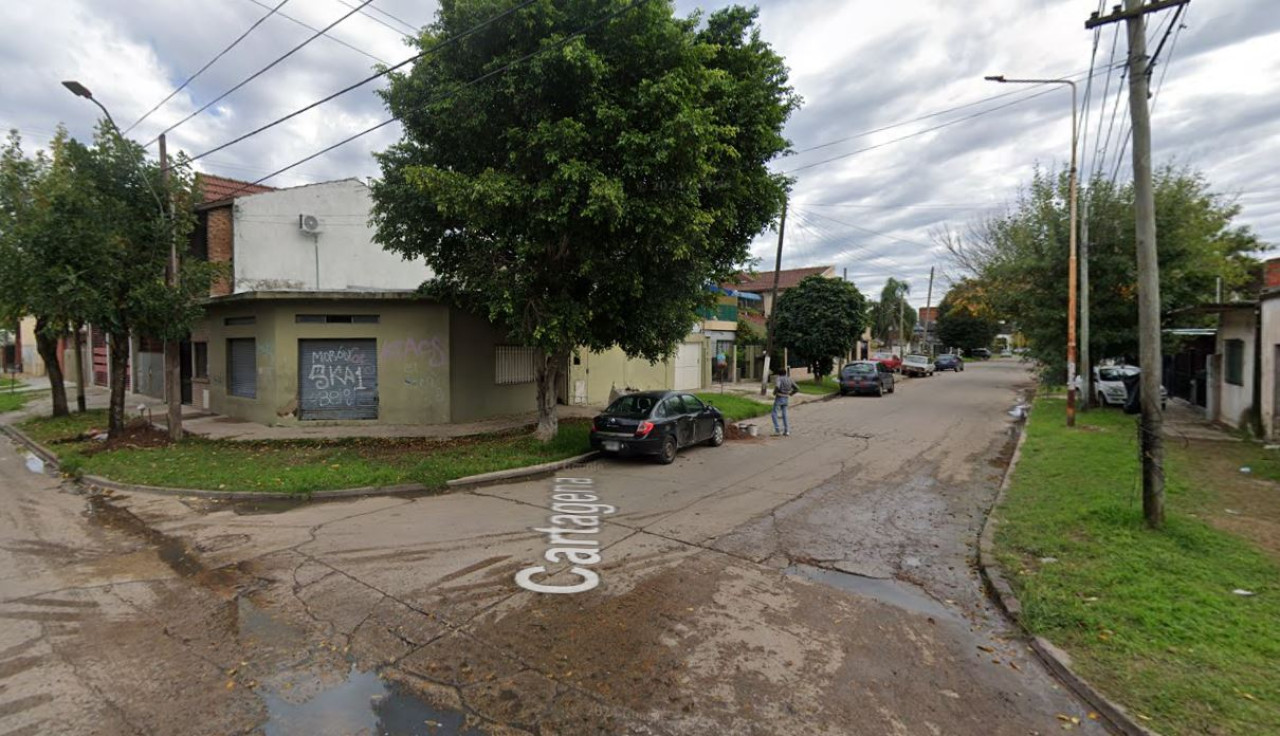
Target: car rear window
(632,406)
(850,370)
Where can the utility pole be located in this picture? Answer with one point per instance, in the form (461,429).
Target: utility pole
(928,302)
(1149,350)
(172,351)
(1086,373)
(773,306)
(902,323)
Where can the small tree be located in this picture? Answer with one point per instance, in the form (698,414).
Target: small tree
(586,196)
(820,319)
(893,319)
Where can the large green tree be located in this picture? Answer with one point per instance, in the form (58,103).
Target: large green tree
(820,319)
(92,240)
(965,319)
(1020,258)
(586,195)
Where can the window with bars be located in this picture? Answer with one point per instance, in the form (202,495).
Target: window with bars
(200,359)
(515,364)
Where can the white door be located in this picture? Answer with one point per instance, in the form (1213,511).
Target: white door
(688,367)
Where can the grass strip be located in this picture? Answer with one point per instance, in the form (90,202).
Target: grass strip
(735,408)
(16,401)
(299,466)
(1149,617)
(815,387)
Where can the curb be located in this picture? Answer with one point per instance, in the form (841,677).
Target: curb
(499,476)
(92,482)
(1058,662)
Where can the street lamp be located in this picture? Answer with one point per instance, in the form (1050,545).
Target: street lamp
(171,348)
(1071,249)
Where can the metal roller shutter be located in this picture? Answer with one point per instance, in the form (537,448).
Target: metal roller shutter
(337,379)
(242,367)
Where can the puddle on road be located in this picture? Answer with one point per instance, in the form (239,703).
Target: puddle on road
(891,592)
(364,703)
(171,550)
(34,464)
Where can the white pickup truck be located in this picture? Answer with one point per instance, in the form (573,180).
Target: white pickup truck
(917,365)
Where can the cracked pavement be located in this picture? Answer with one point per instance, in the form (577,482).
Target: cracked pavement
(821,584)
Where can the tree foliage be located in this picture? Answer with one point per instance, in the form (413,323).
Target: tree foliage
(586,196)
(92,236)
(1020,258)
(965,319)
(892,313)
(820,319)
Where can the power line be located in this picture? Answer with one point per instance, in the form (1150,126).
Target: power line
(538,52)
(260,72)
(413,29)
(940,126)
(448,41)
(872,232)
(1173,46)
(1102,114)
(1088,89)
(379,21)
(310,27)
(210,63)
(938,205)
(1124,142)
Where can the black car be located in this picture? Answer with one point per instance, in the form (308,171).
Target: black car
(866,377)
(948,362)
(981,353)
(656,423)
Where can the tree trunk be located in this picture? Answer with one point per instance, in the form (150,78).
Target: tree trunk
(79,373)
(119,343)
(547,377)
(47,346)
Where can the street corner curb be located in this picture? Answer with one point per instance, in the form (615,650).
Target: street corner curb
(502,476)
(96,482)
(1113,715)
(36,448)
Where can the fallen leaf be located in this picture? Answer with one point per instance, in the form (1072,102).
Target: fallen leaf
(1062,717)
(1247,695)
(1093,716)
(988,650)
(231,684)
(1145,718)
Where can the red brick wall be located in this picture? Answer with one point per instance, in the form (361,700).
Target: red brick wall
(1273,273)
(220,250)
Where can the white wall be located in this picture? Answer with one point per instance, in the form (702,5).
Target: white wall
(1235,400)
(273,254)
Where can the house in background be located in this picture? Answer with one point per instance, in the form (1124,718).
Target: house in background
(317,323)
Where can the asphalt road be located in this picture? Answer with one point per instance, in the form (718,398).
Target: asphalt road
(815,584)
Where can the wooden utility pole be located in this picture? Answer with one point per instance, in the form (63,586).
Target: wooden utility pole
(1151,428)
(1086,372)
(928,302)
(773,306)
(172,350)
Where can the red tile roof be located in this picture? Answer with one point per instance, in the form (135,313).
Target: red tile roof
(787,278)
(215,188)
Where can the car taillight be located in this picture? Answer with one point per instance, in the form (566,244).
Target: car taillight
(593,426)
(644,429)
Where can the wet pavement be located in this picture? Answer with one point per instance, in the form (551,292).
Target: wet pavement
(817,584)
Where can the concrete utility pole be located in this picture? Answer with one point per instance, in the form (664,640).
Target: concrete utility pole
(1151,428)
(773,306)
(1072,288)
(1086,372)
(902,323)
(928,302)
(172,350)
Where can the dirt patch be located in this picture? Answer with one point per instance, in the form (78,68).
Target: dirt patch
(1243,504)
(137,435)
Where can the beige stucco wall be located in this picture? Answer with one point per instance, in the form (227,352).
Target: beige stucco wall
(473,393)
(1270,345)
(414,357)
(599,373)
(1235,401)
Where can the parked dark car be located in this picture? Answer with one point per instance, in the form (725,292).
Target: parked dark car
(866,377)
(980,353)
(657,423)
(948,362)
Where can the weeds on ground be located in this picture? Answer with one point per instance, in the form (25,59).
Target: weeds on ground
(1150,617)
(16,401)
(299,466)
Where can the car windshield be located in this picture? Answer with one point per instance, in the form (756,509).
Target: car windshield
(1115,374)
(917,359)
(856,368)
(884,356)
(634,405)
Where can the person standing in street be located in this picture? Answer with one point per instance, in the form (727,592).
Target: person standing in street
(783,388)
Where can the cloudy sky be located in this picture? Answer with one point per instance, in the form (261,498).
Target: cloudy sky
(899,134)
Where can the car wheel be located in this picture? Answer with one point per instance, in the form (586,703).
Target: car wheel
(669,450)
(879,389)
(717,435)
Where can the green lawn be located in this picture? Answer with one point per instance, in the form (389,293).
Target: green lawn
(301,467)
(8,382)
(819,388)
(734,407)
(15,401)
(1149,617)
